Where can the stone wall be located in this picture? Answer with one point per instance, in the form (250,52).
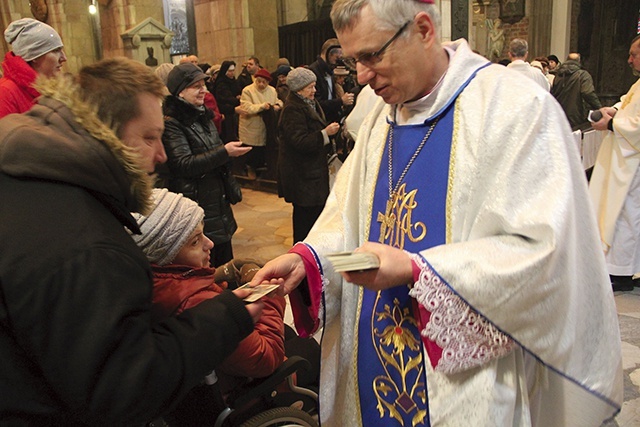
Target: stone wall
(237,29)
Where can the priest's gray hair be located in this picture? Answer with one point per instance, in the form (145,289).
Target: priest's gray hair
(391,14)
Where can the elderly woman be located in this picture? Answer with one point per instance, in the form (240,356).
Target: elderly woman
(197,159)
(259,104)
(302,164)
(36,51)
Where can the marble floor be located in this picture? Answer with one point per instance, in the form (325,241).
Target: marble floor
(264,232)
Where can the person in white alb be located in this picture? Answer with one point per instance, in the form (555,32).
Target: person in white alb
(518,52)
(615,182)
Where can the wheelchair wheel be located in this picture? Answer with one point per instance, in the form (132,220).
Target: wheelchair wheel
(284,416)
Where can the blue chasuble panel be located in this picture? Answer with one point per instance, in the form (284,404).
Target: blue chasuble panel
(391,377)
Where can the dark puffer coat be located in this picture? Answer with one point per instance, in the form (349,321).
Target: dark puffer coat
(77,343)
(196,159)
(303,174)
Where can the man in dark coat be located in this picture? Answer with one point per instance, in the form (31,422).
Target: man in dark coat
(573,88)
(77,342)
(326,93)
(248,71)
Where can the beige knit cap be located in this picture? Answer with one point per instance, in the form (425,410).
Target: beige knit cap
(168,227)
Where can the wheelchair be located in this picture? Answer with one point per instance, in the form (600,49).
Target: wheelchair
(288,397)
(265,402)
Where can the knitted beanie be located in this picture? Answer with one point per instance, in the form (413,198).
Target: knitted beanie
(168,227)
(299,78)
(30,39)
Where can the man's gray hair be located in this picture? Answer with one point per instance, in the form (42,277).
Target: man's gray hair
(518,48)
(391,14)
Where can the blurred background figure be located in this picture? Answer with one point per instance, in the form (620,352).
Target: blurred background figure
(330,57)
(37,50)
(573,89)
(259,104)
(227,94)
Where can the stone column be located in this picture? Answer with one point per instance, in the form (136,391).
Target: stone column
(460,19)
(540,28)
(560,28)
(237,29)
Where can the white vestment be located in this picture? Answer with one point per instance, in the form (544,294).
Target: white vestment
(533,73)
(615,187)
(522,251)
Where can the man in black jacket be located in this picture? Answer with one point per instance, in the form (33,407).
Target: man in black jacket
(326,93)
(248,71)
(573,88)
(77,343)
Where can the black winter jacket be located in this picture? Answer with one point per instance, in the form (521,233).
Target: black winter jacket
(196,159)
(303,174)
(573,89)
(77,343)
(332,107)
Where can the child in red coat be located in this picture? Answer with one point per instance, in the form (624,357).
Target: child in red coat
(173,240)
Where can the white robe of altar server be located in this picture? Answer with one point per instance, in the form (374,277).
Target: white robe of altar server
(522,250)
(615,187)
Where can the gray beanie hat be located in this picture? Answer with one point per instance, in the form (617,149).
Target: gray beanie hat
(168,226)
(30,39)
(299,78)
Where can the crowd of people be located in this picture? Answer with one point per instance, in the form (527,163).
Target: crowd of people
(491,300)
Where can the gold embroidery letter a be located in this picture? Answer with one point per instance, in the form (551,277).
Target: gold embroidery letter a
(396,223)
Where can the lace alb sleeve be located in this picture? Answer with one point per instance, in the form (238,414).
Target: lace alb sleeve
(456,337)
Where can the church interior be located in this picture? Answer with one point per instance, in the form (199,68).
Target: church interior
(164,31)
(217,30)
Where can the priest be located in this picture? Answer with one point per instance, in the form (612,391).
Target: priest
(491,304)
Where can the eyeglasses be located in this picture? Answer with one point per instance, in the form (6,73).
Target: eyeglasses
(370,59)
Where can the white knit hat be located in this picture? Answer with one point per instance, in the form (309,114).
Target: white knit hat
(168,226)
(299,78)
(30,39)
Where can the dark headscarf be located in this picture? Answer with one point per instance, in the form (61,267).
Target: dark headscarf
(222,74)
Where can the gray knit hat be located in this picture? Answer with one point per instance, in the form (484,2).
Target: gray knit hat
(299,78)
(30,39)
(168,226)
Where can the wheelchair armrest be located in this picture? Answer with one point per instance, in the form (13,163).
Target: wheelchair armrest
(266,386)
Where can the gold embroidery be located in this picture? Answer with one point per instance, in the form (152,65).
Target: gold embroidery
(452,174)
(396,223)
(401,387)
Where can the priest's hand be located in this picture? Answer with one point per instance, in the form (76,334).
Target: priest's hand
(288,267)
(395,268)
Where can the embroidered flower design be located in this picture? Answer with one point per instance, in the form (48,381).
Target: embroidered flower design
(396,334)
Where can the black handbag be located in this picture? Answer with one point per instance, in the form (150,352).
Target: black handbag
(232,188)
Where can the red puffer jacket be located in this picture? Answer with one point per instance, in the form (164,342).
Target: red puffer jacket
(16,93)
(176,288)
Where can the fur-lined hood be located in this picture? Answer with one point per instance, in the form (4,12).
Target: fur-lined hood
(62,139)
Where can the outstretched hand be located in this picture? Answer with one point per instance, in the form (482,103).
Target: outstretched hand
(395,268)
(255,308)
(236,149)
(289,268)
